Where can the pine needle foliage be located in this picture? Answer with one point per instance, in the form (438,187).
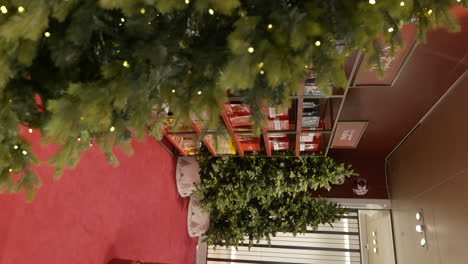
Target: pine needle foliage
(105,70)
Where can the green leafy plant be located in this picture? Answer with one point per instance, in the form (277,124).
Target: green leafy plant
(253,198)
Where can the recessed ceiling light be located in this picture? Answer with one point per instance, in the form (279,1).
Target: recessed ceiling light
(418,216)
(419,228)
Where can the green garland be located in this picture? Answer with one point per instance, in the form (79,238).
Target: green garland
(105,70)
(250,199)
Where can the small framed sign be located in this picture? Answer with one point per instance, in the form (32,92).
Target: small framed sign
(348,134)
(392,65)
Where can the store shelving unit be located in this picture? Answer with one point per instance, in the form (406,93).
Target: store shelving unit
(285,135)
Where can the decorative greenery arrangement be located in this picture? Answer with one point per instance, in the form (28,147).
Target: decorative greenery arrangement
(103,71)
(257,197)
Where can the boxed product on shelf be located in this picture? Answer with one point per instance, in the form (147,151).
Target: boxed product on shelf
(312,89)
(311,103)
(240,121)
(189,144)
(309,146)
(277,135)
(251,146)
(311,112)
(249,142)
(279,143)
(307,137)
(237,109)
(246,137)
(278,124)
(273,112)
(221,145)
(310,121)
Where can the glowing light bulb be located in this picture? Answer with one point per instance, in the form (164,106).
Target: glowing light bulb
(126,64)
(199,92)
(24,152)
(187,2)
(260,65)
(418,216)
(78,139)
(372,2)
(21,9)
(262,72)
(318,43)
(15,147)
(142,11)
(423,242)
(270,26)
(374,242)
(122,19)
(211,11)
(30,130)
(112,129)
(429,12)
(173,90)
(390,29)
(402,3)
(373,234)
(375,250)
(250,49)
(3,9)
(47,34)
(10,170)
(419,228)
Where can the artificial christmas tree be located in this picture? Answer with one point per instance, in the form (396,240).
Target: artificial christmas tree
(106,70)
